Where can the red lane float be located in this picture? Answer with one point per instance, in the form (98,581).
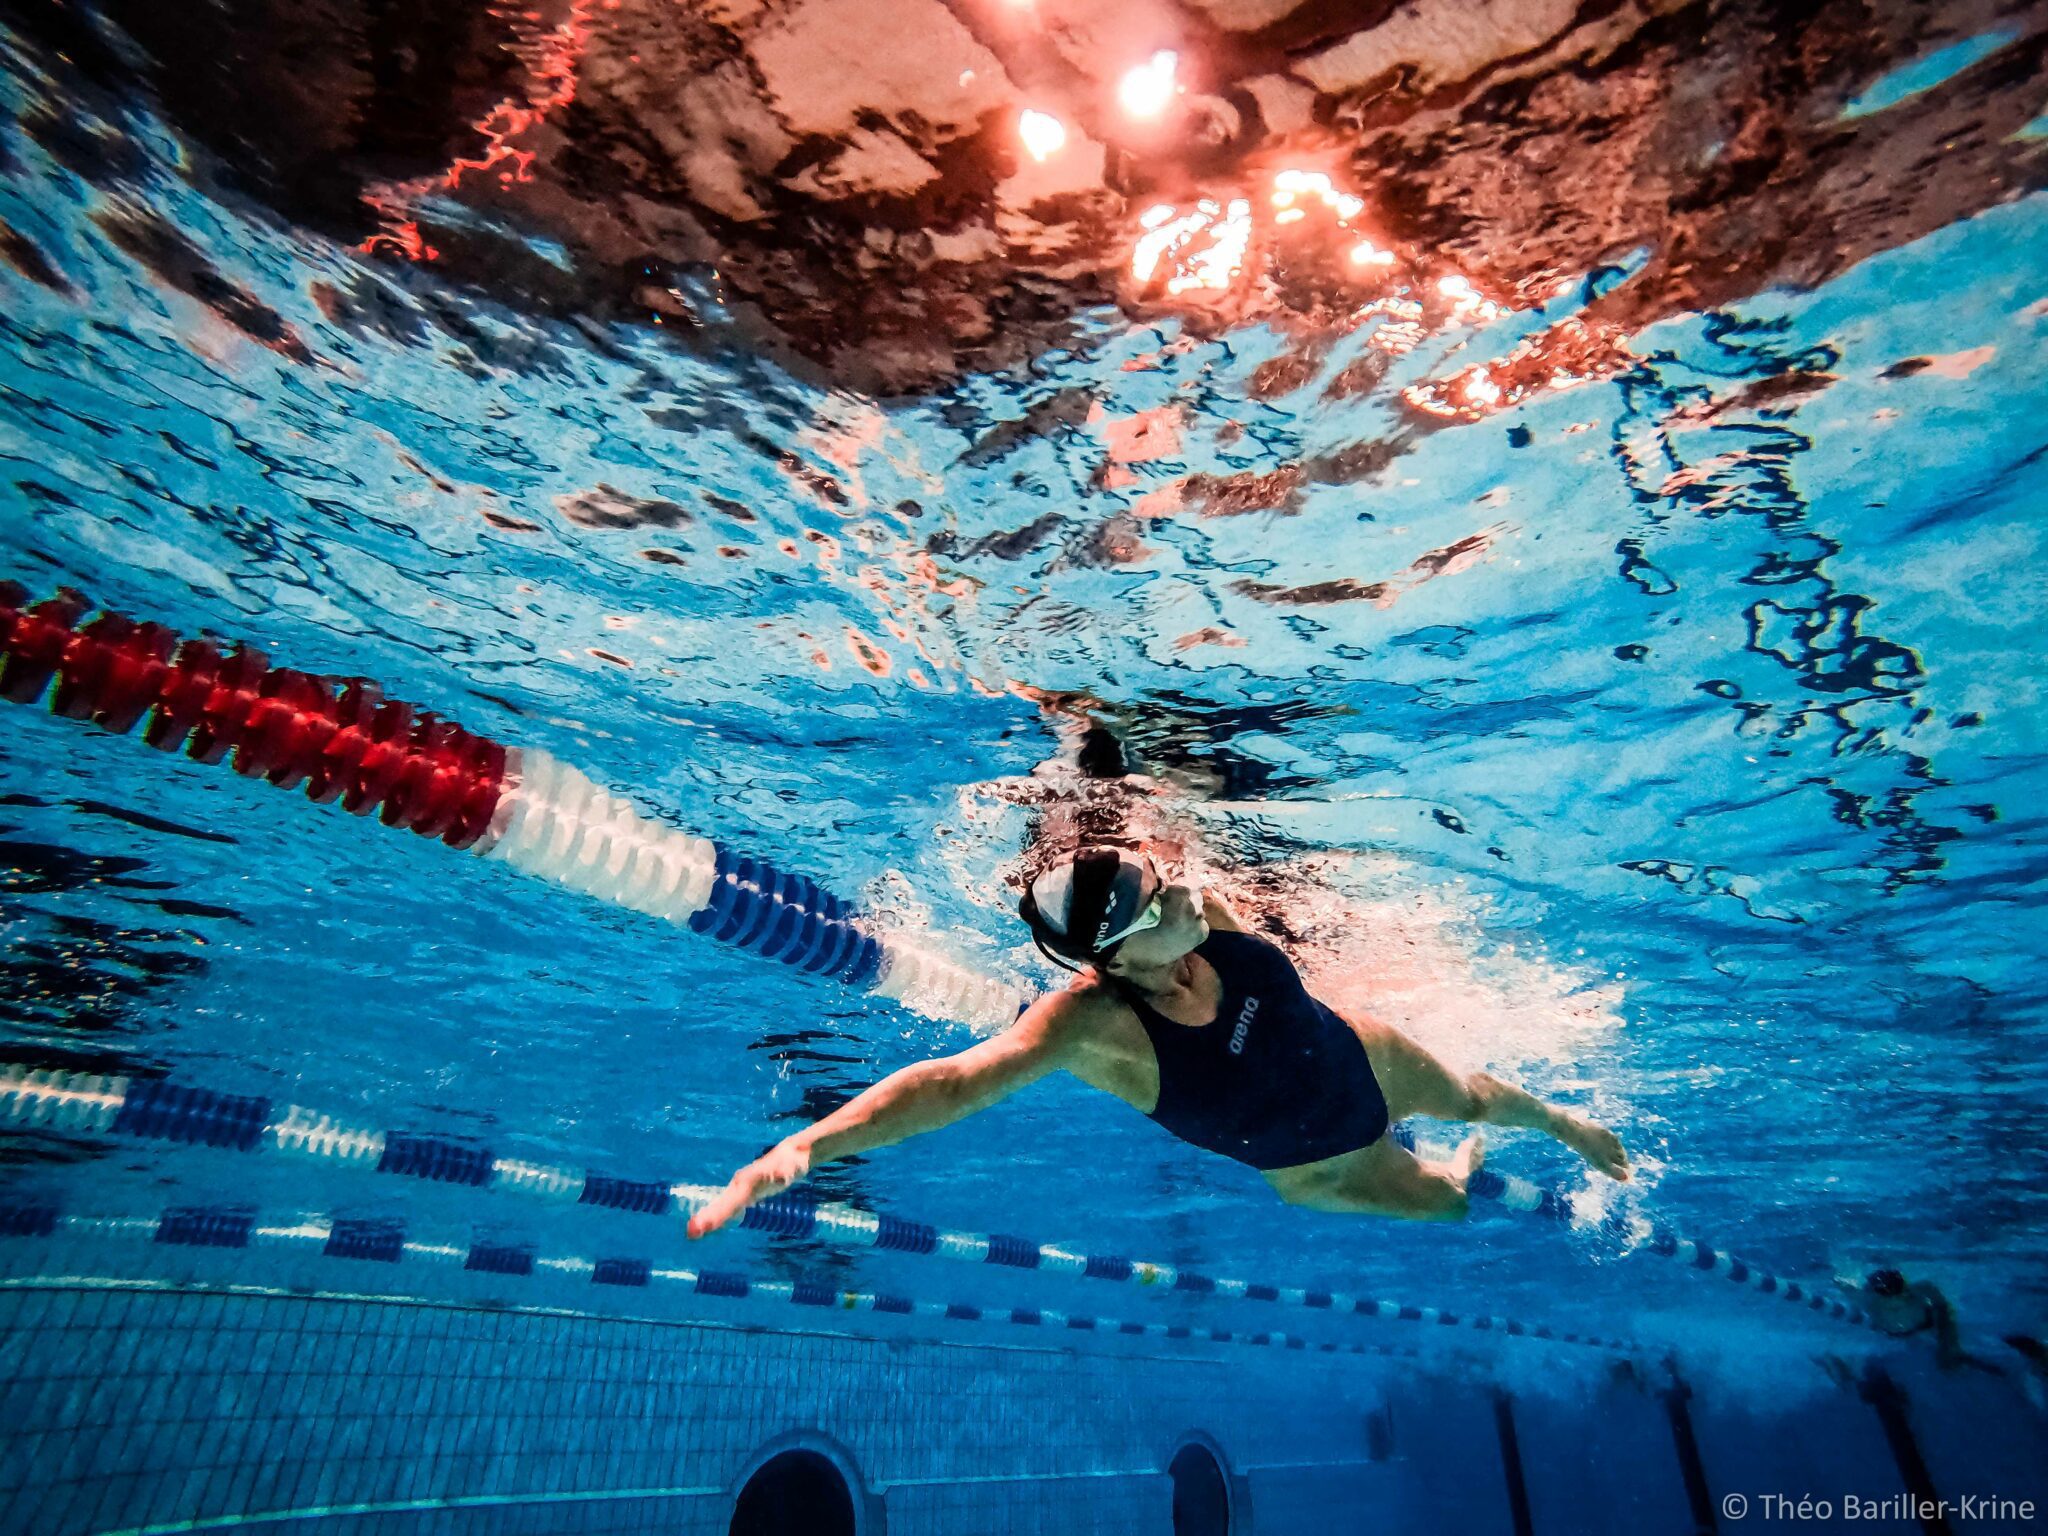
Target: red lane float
(345,742)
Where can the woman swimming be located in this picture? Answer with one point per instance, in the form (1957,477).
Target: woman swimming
(1185,1016)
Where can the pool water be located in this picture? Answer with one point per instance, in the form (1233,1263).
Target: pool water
(1668,740)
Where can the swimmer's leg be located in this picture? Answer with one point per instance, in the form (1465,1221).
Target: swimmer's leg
(1504,1104)
(1384,1179)
(1416,1083)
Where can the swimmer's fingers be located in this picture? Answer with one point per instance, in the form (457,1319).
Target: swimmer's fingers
(747,1186)
(767,1175)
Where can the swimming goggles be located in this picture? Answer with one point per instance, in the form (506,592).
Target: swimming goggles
(1149,916)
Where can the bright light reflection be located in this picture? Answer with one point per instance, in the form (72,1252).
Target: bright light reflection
(1293,187)
(1304,181)
(1468,304)
(1215,265)
(1147,89)
(1043,134)
(1224,259)
(1162,237)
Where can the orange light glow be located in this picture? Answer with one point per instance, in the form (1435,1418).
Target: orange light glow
(1043,134)
(1564,357)
(399,237)
(1206,246)
(1315,183)
(1292,186)
(1224,259)
(552,61)
(1298,193)
(551,58)
(1146,90)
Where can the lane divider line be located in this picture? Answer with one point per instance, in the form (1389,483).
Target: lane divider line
(162,1110)
(348,743)
(386,1241)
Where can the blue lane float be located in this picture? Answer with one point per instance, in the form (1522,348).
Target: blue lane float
(87,1104)
(555,823)
(387,1242)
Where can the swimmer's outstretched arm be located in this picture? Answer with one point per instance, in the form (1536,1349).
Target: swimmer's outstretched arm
(921,1097)
(1949,1353)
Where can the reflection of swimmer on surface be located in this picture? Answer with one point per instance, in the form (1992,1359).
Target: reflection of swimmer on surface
(1900,1309)
(1208,1029)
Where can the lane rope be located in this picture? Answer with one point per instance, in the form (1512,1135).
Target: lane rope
(383,1241)
(161,1110)
(347,743)
(1640,1234)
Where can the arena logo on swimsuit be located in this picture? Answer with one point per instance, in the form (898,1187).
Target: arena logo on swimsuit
(1244,1024)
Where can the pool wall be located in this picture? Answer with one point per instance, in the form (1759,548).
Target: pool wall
(135,1409)
(131,1405)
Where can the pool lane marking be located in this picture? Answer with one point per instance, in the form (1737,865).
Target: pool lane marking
(385,1241)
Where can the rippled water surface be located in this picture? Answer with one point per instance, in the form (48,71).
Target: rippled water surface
(1671,740)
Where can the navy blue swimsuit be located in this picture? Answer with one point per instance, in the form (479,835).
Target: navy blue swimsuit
(1276,1079)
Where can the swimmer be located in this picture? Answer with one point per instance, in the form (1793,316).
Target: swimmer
(1899,1308)
(2034,1368)
(1206,1028)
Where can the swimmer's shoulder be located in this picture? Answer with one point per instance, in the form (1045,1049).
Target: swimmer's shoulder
(1086,1002)
(1090,1019)
(1097,1037)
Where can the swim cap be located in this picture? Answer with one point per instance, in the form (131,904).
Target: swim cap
(1886,1282)
(1073,906)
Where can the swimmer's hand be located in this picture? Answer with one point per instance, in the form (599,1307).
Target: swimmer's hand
(769,1174)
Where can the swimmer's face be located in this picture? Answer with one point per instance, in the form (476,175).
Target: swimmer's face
(1180,928)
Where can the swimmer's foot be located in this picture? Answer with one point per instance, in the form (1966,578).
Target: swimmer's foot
(1466,1160)
(1596,1144)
